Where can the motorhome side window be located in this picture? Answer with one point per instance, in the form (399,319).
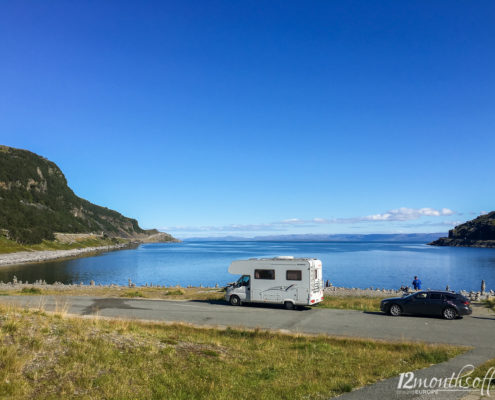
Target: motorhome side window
(264,274)
(294,275)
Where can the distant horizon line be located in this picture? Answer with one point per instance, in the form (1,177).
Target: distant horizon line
(420,236)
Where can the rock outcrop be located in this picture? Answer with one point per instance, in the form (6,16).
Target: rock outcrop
(479,232)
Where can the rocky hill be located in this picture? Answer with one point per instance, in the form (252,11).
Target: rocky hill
(36,202)
(479,232)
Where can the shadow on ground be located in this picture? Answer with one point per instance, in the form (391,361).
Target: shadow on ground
(255,305)
(414,316)
(111,303)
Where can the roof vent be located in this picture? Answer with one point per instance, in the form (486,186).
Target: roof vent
(285,257)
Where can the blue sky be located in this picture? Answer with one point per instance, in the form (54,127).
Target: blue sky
(248,118)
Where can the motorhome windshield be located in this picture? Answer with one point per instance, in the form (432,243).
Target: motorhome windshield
(243,280)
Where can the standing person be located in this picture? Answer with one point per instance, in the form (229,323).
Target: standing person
(416,283)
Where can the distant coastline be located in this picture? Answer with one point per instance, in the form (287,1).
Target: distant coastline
(386,237)
(489,244)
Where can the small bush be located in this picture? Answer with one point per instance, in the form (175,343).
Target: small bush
(491,304)
(175,292)
(31,290)
(10,327)
(135,293)
(430,356)
(211,353)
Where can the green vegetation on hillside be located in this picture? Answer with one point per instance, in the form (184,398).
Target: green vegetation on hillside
(481,228)
(35,202)
(11,246)
(479,232)
(47,356)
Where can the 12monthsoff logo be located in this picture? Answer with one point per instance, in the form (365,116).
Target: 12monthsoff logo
(460,382)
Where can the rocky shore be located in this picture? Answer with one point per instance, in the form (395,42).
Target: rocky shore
(23,257)
(453,242)
(372,292)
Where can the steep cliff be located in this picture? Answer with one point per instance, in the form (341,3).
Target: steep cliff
(479,232)
(36,202)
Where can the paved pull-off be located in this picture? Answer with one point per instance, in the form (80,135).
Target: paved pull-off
(477,330)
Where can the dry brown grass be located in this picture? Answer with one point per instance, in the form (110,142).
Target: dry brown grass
(44,356)
(171,293)
(361,303)
(490,303)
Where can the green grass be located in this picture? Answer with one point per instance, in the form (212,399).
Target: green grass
(482,370)
(485,373)
(175,292)
(31,290)
(132,293)
(122,291)
(360,303)
(490,304)
(11,246)
(46,356)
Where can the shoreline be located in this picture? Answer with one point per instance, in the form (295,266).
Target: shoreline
(28,257)
(82,289)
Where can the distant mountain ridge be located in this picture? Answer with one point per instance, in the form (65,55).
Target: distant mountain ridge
(36,202)
(479,232)
(399,237)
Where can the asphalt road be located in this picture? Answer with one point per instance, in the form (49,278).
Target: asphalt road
(477,330)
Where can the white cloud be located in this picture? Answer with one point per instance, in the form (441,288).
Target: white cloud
(407,214)
(292,221)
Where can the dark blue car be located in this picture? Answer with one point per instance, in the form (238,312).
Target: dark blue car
(446,304)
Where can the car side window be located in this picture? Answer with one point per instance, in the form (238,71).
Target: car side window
(435,296)
(421,296)
(450,296)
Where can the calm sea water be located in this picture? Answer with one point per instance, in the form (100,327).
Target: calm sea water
(377,264)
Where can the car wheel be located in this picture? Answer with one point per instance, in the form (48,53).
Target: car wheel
(449,313)
(289,305)
(395,310)
(235,301)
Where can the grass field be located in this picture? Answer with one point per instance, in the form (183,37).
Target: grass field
(47,356)
(486,379)
(360,303)
(11,246)
(490,304)
(171,293)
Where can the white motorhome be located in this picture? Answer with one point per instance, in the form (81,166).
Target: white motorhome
(280,280)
